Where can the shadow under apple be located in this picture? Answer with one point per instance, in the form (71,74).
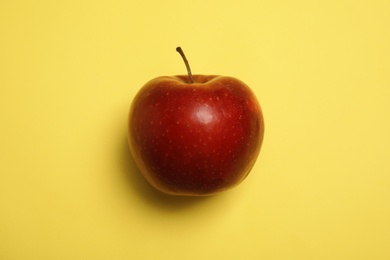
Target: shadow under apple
(148,193)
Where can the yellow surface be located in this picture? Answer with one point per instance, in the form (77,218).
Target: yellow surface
(69,70)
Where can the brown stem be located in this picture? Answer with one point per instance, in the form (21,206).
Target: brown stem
(179,50)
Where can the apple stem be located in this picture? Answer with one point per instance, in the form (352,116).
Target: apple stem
(179,50)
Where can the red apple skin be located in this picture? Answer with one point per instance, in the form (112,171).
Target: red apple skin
(195,139)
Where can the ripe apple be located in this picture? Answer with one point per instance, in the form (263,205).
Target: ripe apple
(195,135)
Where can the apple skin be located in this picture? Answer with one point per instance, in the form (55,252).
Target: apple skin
(195,139)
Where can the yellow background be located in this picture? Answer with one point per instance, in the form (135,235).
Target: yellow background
(69,70)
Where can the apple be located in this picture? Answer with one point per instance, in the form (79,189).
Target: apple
(195,135)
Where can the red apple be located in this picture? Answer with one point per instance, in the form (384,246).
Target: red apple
(195,135)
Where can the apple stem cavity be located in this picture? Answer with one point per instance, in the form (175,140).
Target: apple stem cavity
(179,50)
